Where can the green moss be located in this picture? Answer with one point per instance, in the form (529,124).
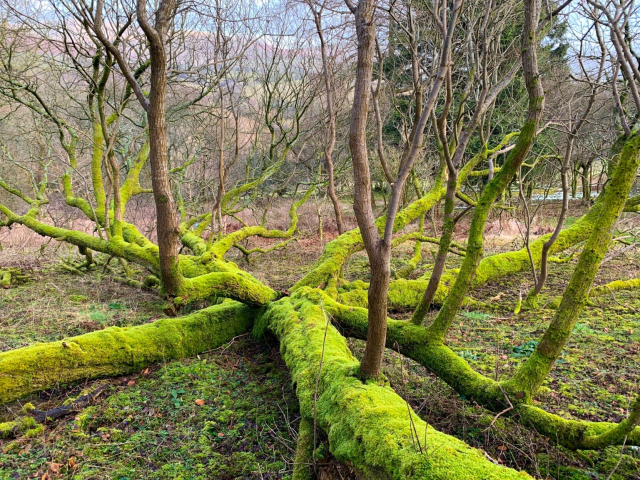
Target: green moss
(368,425)
(21,426)
(338,251)
(9,429)
(416,343)
(615,286)
(236,285)
(34,432)
(132,181)
(116,350)
(303,462)
(96,170)
(5,278)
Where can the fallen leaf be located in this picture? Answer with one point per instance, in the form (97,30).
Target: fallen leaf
(131,383)
(55,467)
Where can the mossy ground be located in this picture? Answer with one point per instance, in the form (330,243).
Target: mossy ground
(229,414)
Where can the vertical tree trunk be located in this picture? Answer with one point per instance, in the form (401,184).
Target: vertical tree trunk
(362,203)
(377,317)
(331,136)
(379,247)
(448,226)
(166,212)
(586,183)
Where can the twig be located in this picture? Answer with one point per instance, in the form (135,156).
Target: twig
(619,459)
(413,425)
(224,347)
(502,412)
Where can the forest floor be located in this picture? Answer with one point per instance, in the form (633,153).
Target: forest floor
(232,413)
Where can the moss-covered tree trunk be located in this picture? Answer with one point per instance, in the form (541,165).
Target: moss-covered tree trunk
(532,373)
(166,212)
(495,187)
(369,426)
(116,351)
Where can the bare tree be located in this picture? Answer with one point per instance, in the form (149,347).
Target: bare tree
(378,246)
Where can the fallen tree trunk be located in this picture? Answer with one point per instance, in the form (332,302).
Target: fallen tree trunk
(115,351)
(368,425)
(405,294)
(416,343)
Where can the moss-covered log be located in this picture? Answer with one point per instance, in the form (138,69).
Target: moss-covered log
(115,351)
(416,343)
(368,425)
(235,285)
(615,286)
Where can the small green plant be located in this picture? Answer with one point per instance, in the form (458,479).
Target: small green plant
(98,316)
(476,315)
(175,397)
(583,329)
(525,350)
(469,355)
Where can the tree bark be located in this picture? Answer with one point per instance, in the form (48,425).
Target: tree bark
(166,213)
(362,203)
